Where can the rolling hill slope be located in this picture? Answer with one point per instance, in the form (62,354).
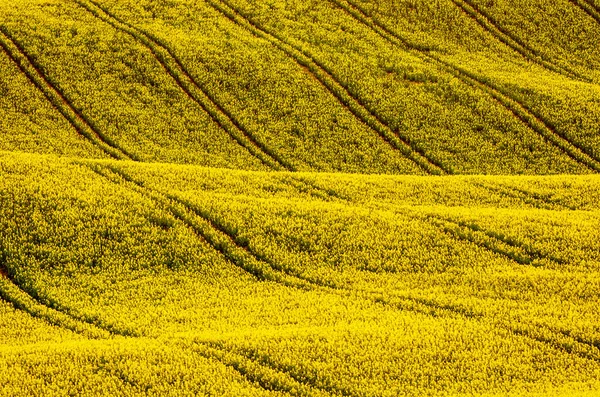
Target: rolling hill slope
(307,198)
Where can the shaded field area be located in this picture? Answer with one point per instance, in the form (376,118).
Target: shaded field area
(306,198)
(442,87)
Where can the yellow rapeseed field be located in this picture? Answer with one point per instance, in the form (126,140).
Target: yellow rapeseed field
(308,198)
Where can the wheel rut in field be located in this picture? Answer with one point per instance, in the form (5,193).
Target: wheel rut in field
(335,87)
(533,199)
(27,300)
(58,99)
(492,241)
(519,110)
(210,230)
(488,23)
(194,90)
(526,256)
(589,8)
(264,371)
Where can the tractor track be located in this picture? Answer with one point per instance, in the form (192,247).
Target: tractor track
(521,111)
(58,99)
(329,81)
(242,362)
(488,23)
(28,301)
(174,67)
(270,271)
(589,8)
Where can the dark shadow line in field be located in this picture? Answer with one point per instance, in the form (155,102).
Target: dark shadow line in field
(491,25)
(59,100)
(433,308)
(594,344)
(536,200)
(261,381)
(16,304)
(267,270)
(335,87)
(50,305)
(331,193)
(304,185)
(124,378)
(207,102)
(589,8)
(267,362)
(243,245)
(531,253)
(519,110)
(594,6)
(143,190)
(566,347)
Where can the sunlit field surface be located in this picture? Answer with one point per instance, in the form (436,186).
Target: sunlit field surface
(300,198)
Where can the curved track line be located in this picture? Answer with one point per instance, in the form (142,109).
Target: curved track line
(588,7)
(466,230)
(336,88)
(207,230)
(263,269)
(191,87)
(28,301)
(520,110)
(433,308)
(294,385)
(531,254)
(534,199)
(58,99)
(593,5)
(487,22)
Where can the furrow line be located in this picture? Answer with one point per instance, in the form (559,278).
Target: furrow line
(589,8)
(58,99)
(433,308)
(202,230)
(487,22)
(568,344)
(492,242)
(469,231)
(532,252)
(560,341)
(534,199)
(331,193)
(221,239)
(243,363)
(336,88)
(216,234)
(594,344)
(520,110)
(593,5)
(124,378)
(303,186)
(174,67)
(12,292)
